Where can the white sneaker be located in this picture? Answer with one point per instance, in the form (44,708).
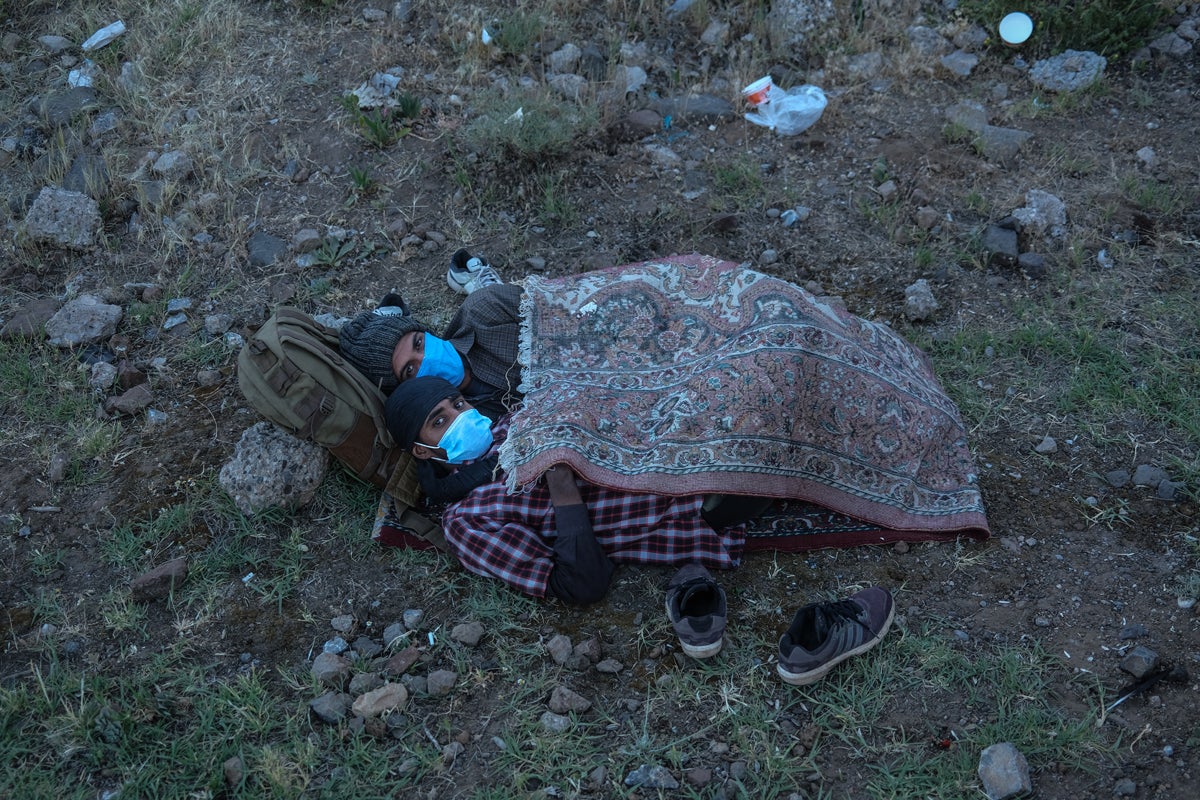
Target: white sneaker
(468,273)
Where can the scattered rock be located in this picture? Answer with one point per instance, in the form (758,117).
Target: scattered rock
(393,633)
(652,777)
(554,723)
(272,468)
(564,700)
(402,661)
(1125,787)
(1068,71)
(330,669)
(969,115)
(919,302)
(390,696)
(1117,478)
(1001,144)
(440,682)
(1140,661)
(413,617)
(366,647)
(83,321)
(559,648)
(960,63)
(1032,265)
(29,320)
(62,217)
(365,682)
(234,770)
(698,108)
(130,402)
(609,666)
(1001,245)
(343,623)
(1004,771)
(174,165)
(158,583)
(331,707)
(1043,213)
(1046,446)
(467,633)
(1147,475)
(263,249)
(928,42)
(1134,630)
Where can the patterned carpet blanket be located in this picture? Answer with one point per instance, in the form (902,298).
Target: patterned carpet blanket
(693,375)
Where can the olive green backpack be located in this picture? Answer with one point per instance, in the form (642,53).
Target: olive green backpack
(293,374)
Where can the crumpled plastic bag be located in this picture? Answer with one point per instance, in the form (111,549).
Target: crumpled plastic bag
(788,112)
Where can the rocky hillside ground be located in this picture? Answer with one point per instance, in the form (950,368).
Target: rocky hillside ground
(1028,215)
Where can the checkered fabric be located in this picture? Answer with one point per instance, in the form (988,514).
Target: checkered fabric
(487,328)
(510,537)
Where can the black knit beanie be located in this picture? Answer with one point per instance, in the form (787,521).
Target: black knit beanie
(409,405)
(368,341)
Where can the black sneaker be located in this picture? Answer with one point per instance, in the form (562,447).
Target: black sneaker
(468,273)
(823,635)
(696,608)
(392,304)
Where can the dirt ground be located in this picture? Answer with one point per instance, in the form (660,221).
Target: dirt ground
(278,150)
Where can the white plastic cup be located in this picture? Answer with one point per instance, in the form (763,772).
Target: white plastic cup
(757,92)
(1016,28)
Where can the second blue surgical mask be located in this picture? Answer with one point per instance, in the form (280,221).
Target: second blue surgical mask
(441,360)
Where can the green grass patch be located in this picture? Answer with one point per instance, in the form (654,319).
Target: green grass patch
(738,184)
(40,385)
(525,129)
(1111,28)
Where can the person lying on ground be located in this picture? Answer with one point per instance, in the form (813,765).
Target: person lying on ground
(477,352)
(563,537)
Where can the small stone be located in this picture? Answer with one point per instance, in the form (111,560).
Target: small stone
(468,633)
(554,723)
(919,302)
(342,624)
(564,700)
(330,669)
(365,682)
(589,649)
(927,217)
(768,257)
(1170,490)
(1140,661)
(234,771)
(652,777)
(389,697)
(698,776)
(217,324)
(559,648)
(393,633)
(366,647)
(609,666)
(1004,771)
(887,191)
(1046,446)
(337,645)
(158,583)
(1125,788)
(402,661)
(1032,264)
(1117,478)
(452,751)
(413,618)
(1146,475)
(331,707)
(440,682)
(901,548)
(1134,631)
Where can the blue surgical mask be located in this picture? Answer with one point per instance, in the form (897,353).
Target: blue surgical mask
(468,437)
(441,360)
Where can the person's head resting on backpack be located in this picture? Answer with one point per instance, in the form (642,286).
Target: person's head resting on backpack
(393,348)
(429,416)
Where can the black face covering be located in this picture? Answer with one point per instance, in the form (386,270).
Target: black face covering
(409,405)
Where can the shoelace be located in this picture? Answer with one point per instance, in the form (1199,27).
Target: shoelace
(485,277)
(826,617)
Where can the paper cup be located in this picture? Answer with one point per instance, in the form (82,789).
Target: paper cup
(756,93)
(1015,29)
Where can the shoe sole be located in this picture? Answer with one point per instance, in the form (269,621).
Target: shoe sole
(698,651)
(814,675)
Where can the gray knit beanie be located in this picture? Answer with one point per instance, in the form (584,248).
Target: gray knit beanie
(368,341)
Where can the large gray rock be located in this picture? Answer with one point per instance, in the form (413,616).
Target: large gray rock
(64,218)
(1068,71)
(85,320)
(272,468)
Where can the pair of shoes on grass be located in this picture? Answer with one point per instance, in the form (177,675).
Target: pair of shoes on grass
(821,636)
(468,273)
